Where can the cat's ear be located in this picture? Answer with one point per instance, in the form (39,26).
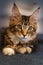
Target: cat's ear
(15,18)
(15,10)
(34,18)
(35,14)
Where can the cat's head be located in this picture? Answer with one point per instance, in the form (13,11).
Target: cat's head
(24,26)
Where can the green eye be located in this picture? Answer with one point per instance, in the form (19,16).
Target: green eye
(30,28)
(19,26)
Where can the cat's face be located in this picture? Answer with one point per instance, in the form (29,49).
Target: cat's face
(24,30)
(24,27)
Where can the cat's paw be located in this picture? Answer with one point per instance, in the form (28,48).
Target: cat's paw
(28,49)
(8,51)
(21,50)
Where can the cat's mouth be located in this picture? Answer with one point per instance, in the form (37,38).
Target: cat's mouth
(23,38)
(26,39)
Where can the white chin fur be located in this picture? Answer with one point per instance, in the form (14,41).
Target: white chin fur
(26,39)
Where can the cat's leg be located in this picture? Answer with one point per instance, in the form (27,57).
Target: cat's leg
(24,49)
(28,50)
(32,46)
(8,50)
(8,44)
(21,50)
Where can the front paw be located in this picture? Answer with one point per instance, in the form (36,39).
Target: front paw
(21,50)
(8,51)
(29,50)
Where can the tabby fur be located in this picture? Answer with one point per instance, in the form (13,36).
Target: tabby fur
(21,35)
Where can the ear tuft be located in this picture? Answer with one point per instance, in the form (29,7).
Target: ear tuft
(14,4)
(38,7)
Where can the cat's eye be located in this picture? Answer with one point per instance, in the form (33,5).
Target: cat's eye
(19,26)
(22,19)
(30,28)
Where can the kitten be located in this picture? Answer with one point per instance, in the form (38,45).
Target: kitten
(21,34)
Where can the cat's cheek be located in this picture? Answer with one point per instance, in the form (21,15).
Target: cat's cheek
(34,36)
(19,34)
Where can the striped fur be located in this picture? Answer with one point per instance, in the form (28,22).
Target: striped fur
(21,35)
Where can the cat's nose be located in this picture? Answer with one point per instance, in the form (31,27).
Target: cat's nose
(24,35)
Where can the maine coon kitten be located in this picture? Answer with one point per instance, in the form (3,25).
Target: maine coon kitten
(21,34)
